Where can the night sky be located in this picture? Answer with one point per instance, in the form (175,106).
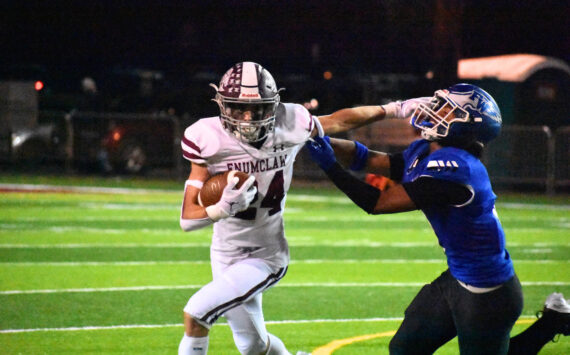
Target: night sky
(386,35)
(65,41)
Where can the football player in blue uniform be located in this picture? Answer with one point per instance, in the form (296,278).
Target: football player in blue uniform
(479,297)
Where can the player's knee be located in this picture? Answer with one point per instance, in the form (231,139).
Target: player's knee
(193,328)
(192,309)
(251,345)
(397,346)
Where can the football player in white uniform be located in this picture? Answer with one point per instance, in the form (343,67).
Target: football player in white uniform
(257,134)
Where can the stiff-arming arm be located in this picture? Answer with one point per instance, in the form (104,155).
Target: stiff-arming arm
(350,118)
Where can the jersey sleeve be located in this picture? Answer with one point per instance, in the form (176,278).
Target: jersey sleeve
(396,166)
(447,166)
(297,121)
(198,143)
(426,191)
(305,121)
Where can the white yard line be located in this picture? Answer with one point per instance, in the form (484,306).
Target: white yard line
(201,262)
(106,245)
(104,263)
(179,325)
(293,242)
(79,189)
(290,197)
(134,326)
(368,226)
(16,228)
(284,284)
(290,215)
(533,206)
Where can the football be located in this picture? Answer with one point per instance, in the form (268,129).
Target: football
(213,188)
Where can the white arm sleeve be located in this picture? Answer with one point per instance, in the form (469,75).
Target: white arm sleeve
(193,224)
(188,225)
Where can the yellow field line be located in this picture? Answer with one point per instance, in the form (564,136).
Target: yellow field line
(329,348)
(337,344)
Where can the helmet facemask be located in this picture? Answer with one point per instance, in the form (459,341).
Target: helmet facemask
(436,118)
(249,121)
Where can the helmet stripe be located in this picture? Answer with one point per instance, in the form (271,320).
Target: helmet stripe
(249,81)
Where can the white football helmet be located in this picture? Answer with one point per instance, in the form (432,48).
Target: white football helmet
(248,98)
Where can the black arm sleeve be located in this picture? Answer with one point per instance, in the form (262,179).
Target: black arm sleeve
(427,191)
(396,166)
(363,195)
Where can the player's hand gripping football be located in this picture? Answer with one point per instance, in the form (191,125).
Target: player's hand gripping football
(233,200)
(321,152)
(404,109)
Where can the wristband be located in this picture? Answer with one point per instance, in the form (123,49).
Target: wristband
(360,157)
(216,213)
(195,183)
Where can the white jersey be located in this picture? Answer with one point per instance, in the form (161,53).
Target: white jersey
(261,225)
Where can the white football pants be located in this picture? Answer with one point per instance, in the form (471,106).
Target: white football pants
(236,292)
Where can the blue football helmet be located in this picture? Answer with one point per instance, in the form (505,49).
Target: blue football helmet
(459,116)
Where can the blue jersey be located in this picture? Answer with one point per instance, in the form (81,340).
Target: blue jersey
(471,234)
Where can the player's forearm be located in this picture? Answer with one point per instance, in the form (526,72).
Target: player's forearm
(376,162)
(192,215)
(194,218)
(343,150)
(363,195)
(350,118)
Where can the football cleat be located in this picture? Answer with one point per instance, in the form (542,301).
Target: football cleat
(557,313)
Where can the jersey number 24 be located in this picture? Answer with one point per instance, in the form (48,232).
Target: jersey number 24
(271,200)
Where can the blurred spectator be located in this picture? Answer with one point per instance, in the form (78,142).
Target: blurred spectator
(90,99)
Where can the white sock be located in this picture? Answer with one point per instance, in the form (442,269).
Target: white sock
(276,346)
(193,345)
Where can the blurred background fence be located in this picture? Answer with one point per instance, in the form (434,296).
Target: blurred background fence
(135,126)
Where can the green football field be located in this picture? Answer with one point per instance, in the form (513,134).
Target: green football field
(109,271)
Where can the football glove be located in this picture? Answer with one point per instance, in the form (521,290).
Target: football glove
(233,200)
(321,152)
(404,109)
